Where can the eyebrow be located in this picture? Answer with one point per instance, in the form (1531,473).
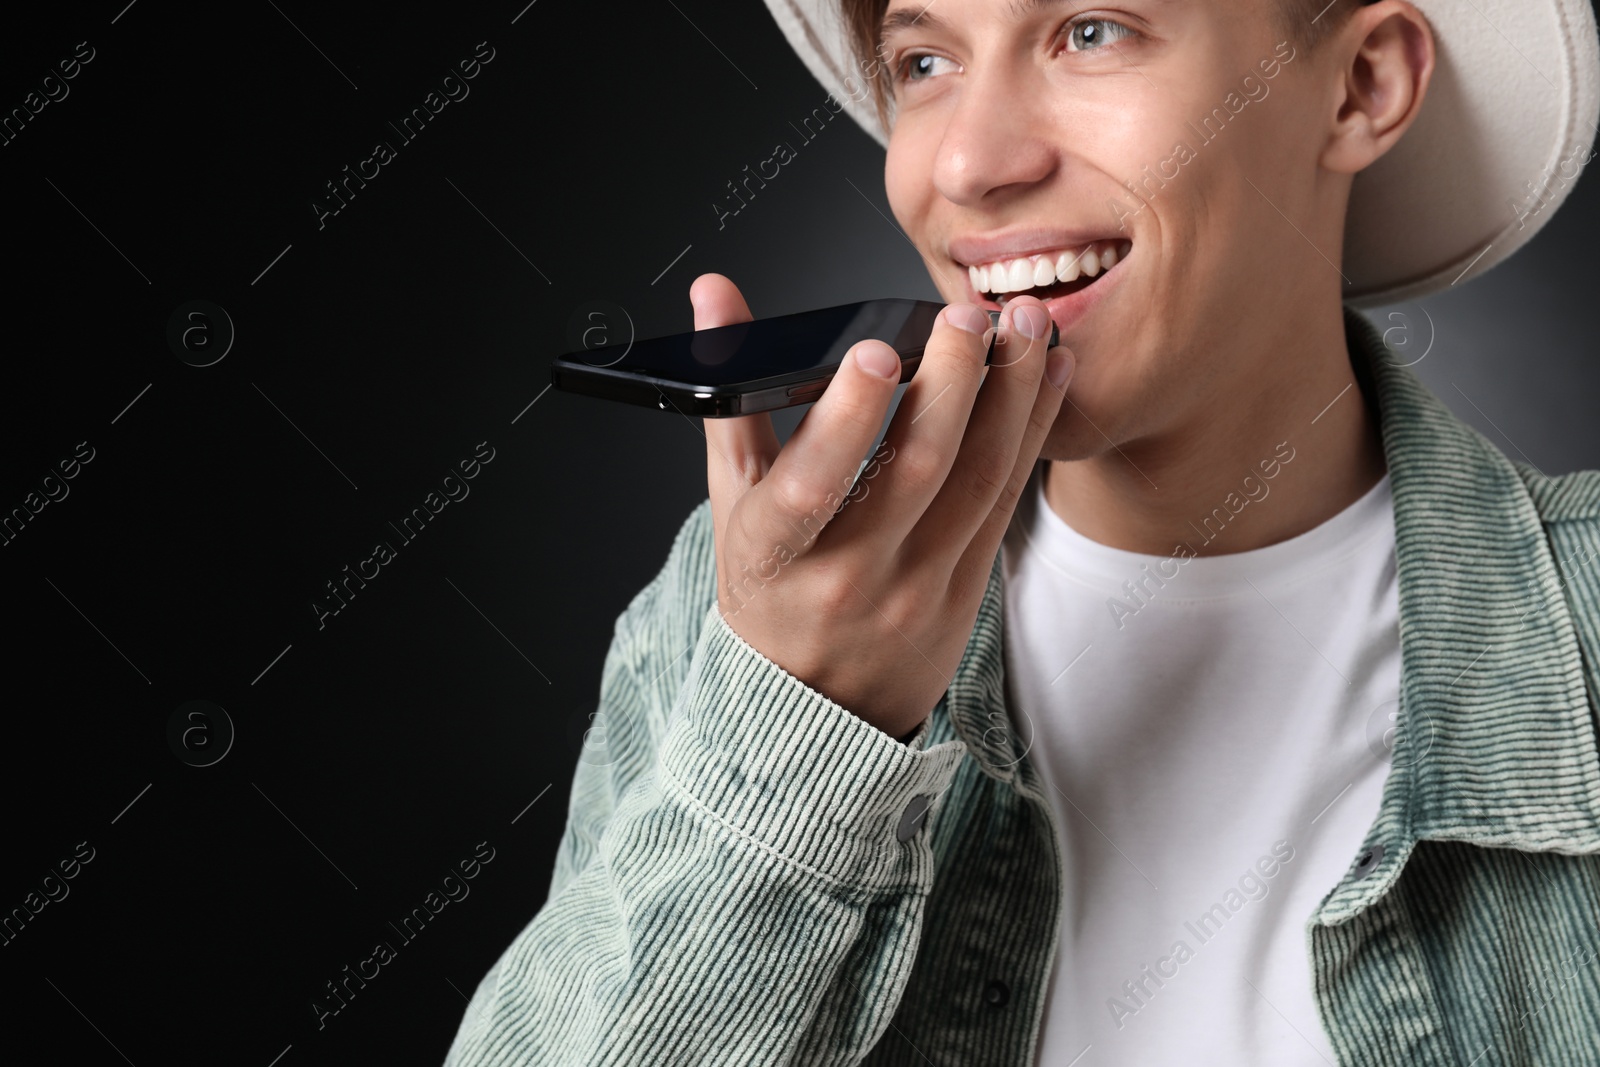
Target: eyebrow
(904,18)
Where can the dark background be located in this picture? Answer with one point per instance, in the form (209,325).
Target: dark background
(370,356)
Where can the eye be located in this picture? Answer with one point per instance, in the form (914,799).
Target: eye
(1087,35)
(922,66)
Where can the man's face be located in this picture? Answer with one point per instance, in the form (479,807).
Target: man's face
(1181,137)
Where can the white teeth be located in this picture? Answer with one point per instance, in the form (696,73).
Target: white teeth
(1034,272)
(1020,275)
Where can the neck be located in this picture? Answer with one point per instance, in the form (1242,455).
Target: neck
(1272,456)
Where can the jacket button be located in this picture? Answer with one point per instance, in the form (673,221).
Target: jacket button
(995,994)
(1367,862)
(912,819)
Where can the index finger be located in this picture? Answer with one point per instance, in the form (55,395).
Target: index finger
(739,450)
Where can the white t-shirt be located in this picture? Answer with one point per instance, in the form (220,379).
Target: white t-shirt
(1215,738)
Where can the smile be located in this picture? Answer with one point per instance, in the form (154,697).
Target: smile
(1048,274)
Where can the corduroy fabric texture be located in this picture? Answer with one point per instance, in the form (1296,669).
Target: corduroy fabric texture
(731,887)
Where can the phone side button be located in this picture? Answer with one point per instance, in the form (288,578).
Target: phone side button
(808,391)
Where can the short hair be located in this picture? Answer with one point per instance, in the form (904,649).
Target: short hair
(1306,22)
(1309,22)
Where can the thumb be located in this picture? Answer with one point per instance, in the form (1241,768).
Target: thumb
(740,450)
(717,302)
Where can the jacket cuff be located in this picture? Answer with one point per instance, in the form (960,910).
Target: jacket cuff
(777,762)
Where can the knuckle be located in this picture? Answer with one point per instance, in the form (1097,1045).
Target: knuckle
(834,597)
(918,467)
(967,368)
(858,413)
(1028,356)
(1010,495)
(1010,349)
(908,611)
(971,348)
(794,495)
(846,401)
(1046,408)
(958,354)
(987,474)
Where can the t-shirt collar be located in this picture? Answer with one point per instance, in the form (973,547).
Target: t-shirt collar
(1496,744)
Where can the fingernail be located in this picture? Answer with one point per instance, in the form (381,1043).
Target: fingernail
(966,317)
(1030,322)
(1058,367)
(878,360)
(995,318)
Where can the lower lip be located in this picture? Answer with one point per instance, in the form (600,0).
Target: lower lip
(1068,310)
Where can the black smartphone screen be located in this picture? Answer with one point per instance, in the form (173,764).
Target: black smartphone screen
(764,349)
(751,366)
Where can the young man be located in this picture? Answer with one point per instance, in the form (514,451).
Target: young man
(1233,704)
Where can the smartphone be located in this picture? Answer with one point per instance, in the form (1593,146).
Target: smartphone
(749,367)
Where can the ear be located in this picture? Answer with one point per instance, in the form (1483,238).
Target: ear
(1385,59)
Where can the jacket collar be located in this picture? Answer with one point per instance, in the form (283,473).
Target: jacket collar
(1495,741)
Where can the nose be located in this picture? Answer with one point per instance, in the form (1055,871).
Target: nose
(996,142)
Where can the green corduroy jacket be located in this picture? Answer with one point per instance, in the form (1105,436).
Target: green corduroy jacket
(742,878)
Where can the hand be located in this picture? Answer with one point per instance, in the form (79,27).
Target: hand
(872,602)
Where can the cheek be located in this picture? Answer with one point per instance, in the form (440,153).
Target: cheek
(907,179)
(1131,147)
(914,200)
(910,166)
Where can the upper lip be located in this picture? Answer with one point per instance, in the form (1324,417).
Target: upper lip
(974,250)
